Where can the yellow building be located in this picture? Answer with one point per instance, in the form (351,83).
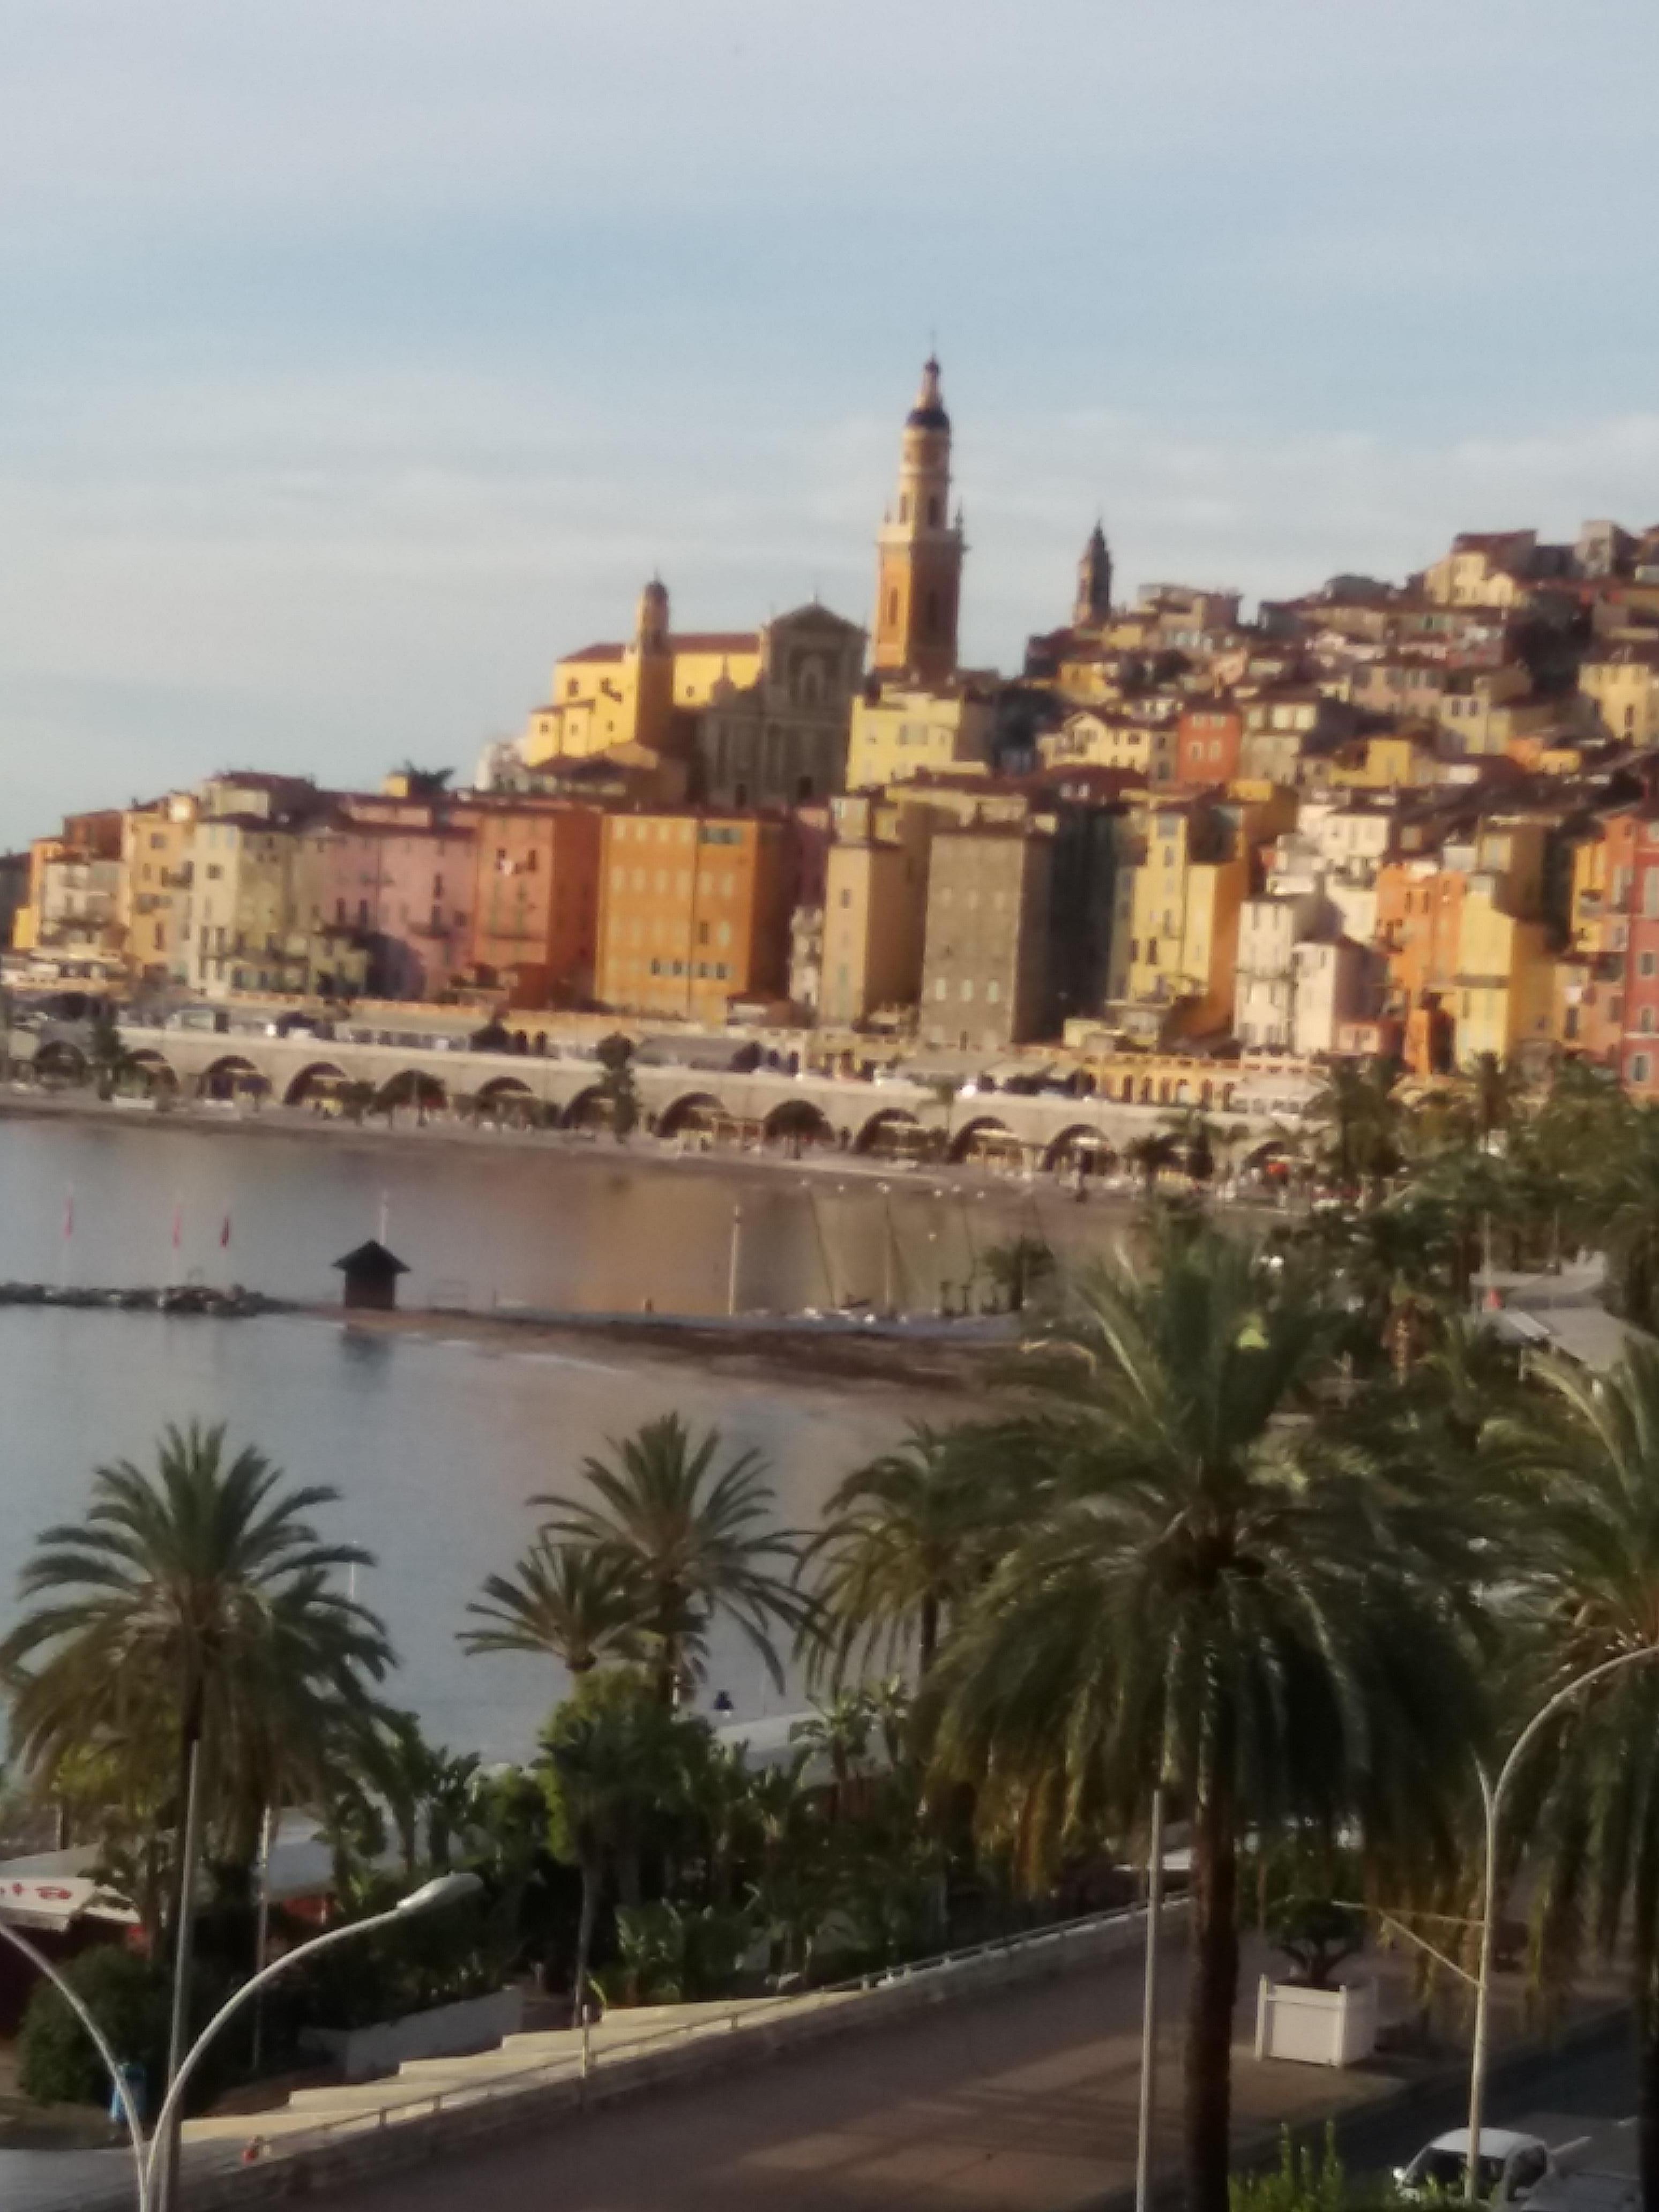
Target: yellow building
(1623,684)
(1504,990)
(1182,877)
(875,908)
(156,852)
(1485,568)
(642,693)
(1089,738)
(1393,760)
(900,731)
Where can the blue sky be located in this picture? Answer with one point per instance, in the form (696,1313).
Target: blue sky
(358,357)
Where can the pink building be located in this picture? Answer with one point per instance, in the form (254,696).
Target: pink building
(403,888)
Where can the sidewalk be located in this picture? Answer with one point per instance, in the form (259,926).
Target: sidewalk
(1022,2100)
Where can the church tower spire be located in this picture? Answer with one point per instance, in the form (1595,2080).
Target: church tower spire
(1094,583)
(920,550)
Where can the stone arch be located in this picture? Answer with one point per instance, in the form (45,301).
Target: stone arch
(506,1098)
(798,1120)
(61,1057)
(313,1082)
(987,1142)
(1082,1148)
(156,1069)
(230,1074)
(694,1112)
(588,1109)
(411,1086)
(891,1134)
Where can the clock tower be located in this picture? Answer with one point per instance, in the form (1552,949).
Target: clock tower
(919,551)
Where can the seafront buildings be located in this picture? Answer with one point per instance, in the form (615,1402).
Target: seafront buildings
(1416,818)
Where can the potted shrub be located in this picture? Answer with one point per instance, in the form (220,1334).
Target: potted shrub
(1311,2015)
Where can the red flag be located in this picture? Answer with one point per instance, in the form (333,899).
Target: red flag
(224,1232)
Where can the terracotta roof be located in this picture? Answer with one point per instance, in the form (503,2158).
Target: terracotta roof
(680,641)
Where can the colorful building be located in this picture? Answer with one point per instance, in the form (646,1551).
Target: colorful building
(694,912)
(535,900)
(638,696)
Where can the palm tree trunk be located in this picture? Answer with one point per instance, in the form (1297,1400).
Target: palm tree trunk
(1212,1994)
(928,1634)
(590,1913)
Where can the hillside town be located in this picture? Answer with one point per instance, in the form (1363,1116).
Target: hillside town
(1418,820)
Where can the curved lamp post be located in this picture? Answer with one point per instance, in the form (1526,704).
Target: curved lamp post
(1492,1793)
(444,1889)
(38,1959)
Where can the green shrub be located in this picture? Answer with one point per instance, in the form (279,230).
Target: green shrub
(58,2062)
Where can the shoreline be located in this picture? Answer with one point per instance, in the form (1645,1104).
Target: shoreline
(501,1143)
(768,1348)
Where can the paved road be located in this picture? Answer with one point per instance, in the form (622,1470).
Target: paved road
(1022,2100)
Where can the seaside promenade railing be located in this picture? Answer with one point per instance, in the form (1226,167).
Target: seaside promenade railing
(387,2128)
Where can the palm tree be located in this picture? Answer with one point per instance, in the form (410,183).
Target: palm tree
(1587,1558)
(1496,1086)
(1216,1593)
(840,1733)
(1149,1155)
(1357,1110)
(613,1756)
(694,1536)
(568,1601)
(903,1539)
(1626,1203)
(197,1600)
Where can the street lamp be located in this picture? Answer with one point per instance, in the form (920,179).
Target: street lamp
(117,2073)
(1493,1796)
(432,1896)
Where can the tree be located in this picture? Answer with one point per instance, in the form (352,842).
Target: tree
(193,1608)
(1017,1267)
(108,1058)
(427,1790)
(1360,1117)
(613,1756)
(903,1539)
(839,1732)
(1495,1084)
(1625,1205)
(1216,1592)
(424,783)
(568,1602)
(1586,1556)
(1149,1155)
(696,1537)
(615,1053)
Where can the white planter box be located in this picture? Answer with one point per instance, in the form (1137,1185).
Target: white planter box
(1320,2028)
(445,2032)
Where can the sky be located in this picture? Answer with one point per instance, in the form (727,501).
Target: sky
(357,357)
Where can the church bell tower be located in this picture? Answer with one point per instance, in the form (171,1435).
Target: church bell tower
(1094,583)
(919,551)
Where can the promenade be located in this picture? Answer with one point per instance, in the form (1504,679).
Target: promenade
(1022,2100)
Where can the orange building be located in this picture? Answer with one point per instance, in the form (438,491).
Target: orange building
(1209,738)
(535,904)
(1420,922)
(694,911)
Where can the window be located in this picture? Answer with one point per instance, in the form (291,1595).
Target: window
(1651,893)
(847,898)
(967,990)
(892,606)
(1647,964)
(702,932)
(992,995)
(941,989)
(1644,1021)
(1641,1067)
